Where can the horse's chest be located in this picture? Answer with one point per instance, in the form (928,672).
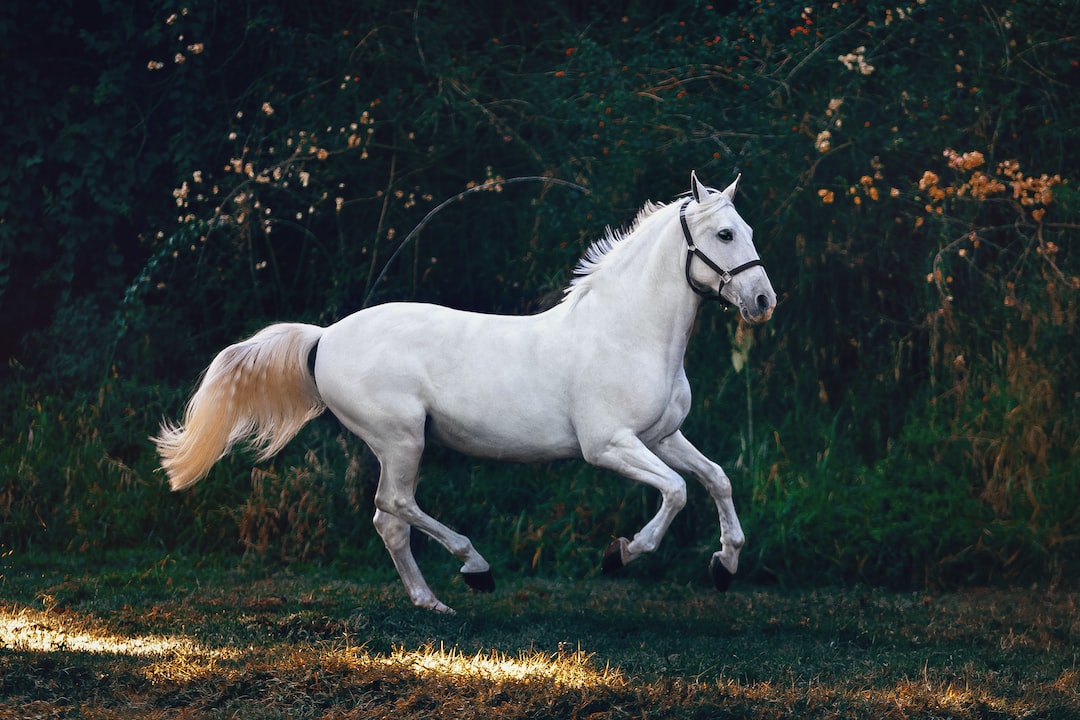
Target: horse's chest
(658,409)
(678,408)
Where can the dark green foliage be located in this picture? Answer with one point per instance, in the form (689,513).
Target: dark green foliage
(180,176)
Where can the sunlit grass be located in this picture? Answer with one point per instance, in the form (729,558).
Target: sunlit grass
(37,631)
(172,659)
(573,669)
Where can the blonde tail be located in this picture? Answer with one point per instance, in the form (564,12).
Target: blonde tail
(259,391)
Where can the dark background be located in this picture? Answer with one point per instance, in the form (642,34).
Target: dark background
(176,176)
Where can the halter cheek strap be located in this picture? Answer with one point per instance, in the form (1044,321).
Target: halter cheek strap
(692,251)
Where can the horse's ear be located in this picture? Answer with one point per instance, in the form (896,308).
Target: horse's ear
(729,191)
(697,190)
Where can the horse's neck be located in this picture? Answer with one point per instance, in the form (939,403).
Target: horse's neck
(647,296)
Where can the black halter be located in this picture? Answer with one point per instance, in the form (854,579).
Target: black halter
(692,251)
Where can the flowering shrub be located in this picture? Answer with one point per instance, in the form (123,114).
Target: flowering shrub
(906,416)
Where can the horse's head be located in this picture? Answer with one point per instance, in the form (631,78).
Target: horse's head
(721,258)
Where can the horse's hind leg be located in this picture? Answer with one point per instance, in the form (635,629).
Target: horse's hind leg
(397,510)
(395,535)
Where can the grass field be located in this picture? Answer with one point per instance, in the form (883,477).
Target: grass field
(130,636)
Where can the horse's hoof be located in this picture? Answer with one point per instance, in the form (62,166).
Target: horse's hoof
(480,581)
(721,576)
(613,557)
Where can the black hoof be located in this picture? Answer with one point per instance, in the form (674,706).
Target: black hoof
(480,581)
(613,561)
(721,576)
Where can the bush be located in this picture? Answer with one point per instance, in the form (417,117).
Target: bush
(907,417)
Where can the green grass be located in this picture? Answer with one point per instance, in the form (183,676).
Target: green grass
(164,637)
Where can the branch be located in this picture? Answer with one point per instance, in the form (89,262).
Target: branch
(490,185)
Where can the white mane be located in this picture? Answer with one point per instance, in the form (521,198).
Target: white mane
(598,252)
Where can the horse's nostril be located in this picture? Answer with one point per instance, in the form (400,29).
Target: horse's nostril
(762,302)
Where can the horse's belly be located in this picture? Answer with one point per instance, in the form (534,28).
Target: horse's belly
(503,441)
(520,426)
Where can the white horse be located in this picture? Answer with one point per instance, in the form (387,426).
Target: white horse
(598,376)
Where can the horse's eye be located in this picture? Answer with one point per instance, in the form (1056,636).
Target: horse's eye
(725,236)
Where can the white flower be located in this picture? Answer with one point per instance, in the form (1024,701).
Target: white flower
(824,141)
(856,61)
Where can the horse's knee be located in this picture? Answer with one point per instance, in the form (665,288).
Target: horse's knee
(674,493)
(719,485)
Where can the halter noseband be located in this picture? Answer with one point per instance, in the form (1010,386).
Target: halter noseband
(692,251)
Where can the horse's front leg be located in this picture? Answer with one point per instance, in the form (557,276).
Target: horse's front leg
(628,456)
(680,454)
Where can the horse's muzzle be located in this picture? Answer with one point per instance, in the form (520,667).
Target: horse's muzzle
(761,309)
